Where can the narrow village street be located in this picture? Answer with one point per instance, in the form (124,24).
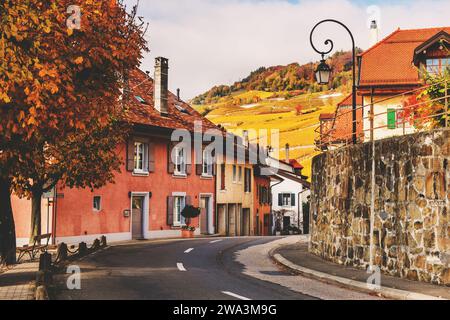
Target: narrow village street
(268,154)
(203,269)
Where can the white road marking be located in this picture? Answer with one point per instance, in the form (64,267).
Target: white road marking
(215,241)
(231,294)
(181,267)
(189,250)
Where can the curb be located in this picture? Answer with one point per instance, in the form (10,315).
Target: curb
(385,292)
(42,282)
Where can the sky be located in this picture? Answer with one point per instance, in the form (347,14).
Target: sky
(212,42)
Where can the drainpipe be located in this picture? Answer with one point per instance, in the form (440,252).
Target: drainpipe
(55,208)
(372,201)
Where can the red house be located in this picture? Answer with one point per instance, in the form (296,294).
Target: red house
(153,186)
(337,128)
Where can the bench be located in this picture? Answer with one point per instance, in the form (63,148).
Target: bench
(33,250)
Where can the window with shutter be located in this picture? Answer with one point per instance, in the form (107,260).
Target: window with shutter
(287,200)
(207,167)
(392,119)
(178,206)
(181,167)
(141,160)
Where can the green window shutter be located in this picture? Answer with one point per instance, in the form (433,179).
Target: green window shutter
(392,119)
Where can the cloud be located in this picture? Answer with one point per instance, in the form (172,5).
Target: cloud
(212,42)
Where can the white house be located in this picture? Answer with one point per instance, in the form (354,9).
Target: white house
(288,195)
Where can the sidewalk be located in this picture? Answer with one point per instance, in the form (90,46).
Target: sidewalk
(17,283)
(297,258)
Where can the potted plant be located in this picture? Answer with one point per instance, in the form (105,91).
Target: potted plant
(189,212)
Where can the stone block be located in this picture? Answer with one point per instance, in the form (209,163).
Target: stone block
(429,239)
(412,275)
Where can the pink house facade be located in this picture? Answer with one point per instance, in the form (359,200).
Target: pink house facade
(152,187)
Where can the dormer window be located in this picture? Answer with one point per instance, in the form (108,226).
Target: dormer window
(433,55)
(437,66)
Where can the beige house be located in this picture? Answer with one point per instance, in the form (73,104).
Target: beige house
(234,199)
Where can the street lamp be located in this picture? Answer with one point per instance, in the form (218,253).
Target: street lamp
(323,71)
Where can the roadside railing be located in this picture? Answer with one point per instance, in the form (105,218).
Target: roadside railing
(410,116)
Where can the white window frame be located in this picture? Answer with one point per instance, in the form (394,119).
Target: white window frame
(178,219)
(437,66)
(141,157)
(287,204)
(180,162)
(207,164)
(99,204)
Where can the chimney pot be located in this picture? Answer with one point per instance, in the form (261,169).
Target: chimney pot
(246,138)
(374,33)
(288,158)
(161,85)
(178,95)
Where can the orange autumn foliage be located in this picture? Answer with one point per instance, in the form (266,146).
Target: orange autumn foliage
(61,112)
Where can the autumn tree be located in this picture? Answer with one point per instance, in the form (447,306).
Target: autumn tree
(427,108)
(61,94)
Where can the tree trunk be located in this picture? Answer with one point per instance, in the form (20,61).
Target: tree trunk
(7,227)
(36,214)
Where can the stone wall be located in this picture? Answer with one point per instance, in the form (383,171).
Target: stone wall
(412,196)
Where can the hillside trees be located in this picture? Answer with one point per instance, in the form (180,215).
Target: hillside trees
(60,98)
(285,78)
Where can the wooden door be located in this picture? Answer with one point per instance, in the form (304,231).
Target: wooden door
(138,217)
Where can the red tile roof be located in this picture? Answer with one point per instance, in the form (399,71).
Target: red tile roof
(295,164)
(390,61)
(145,114)
(326,116)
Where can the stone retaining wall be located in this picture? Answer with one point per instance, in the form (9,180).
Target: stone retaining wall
(412,196)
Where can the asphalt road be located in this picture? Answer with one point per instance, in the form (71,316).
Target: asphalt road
(198,269)
(203,269)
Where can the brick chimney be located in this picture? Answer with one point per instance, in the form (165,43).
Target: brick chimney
(161,84)
(374,33)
